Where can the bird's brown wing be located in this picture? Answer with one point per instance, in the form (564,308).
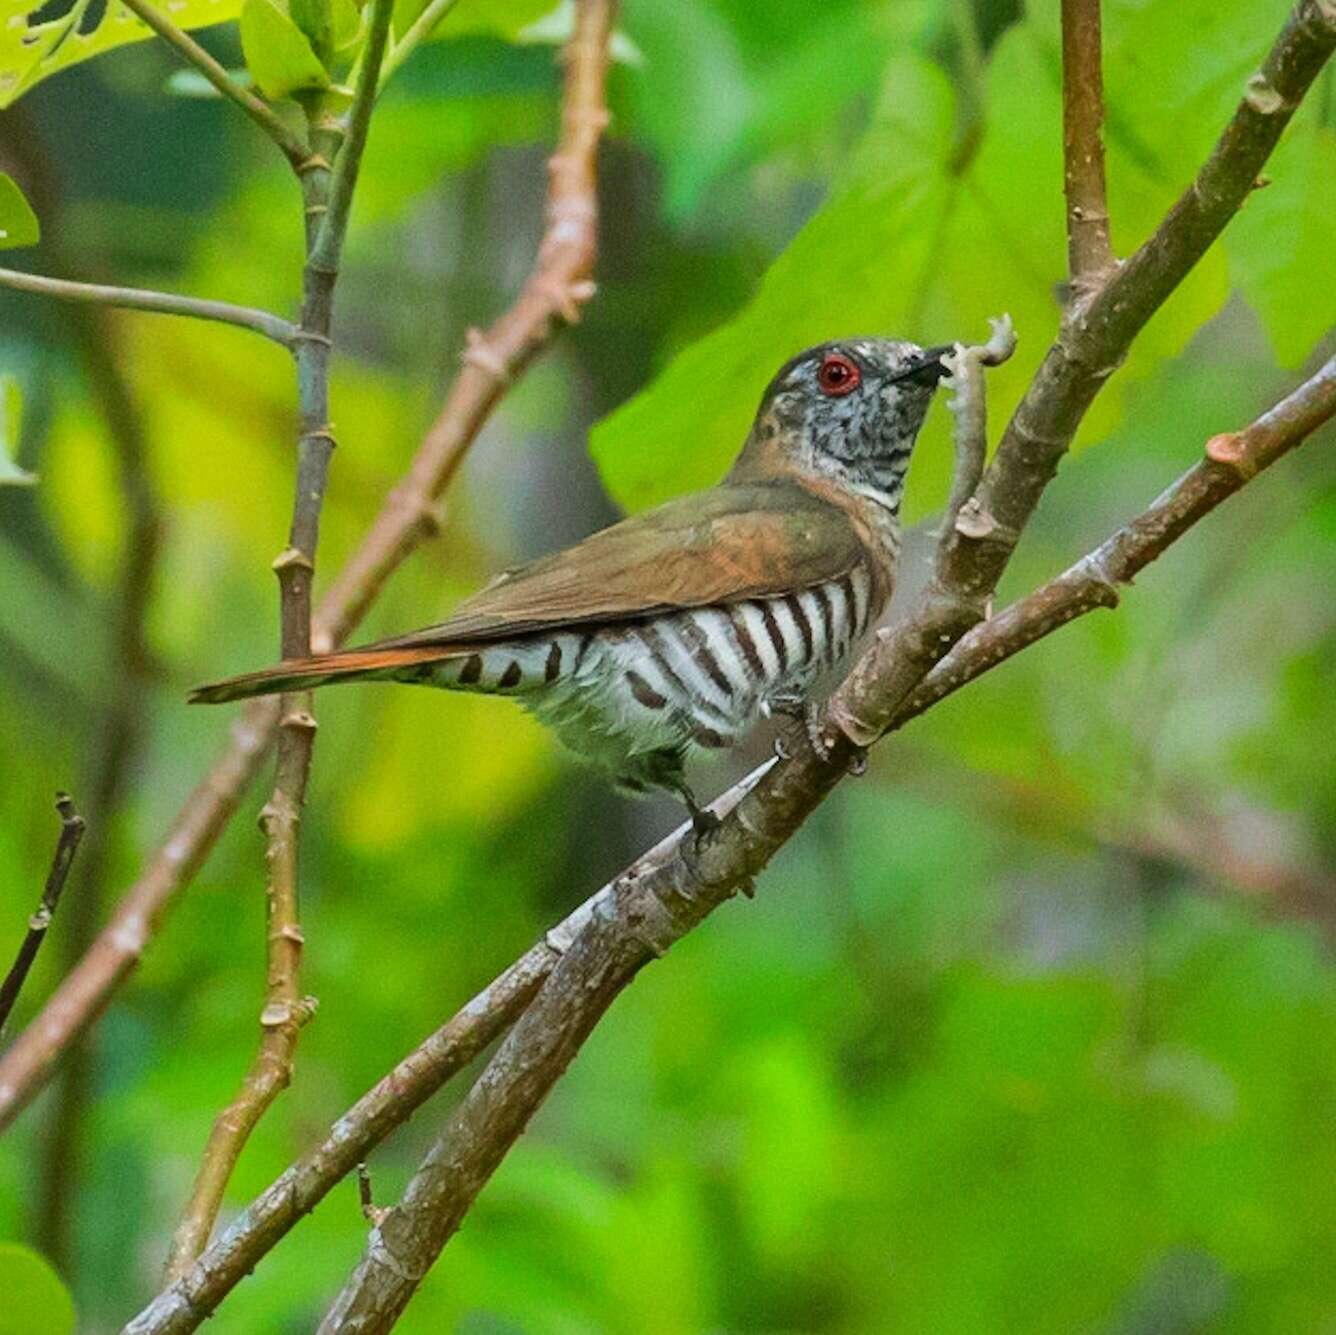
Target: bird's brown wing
(736,541)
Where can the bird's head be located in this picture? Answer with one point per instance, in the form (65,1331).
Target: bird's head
(849,410)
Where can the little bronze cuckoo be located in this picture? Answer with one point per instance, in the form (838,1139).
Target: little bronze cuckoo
(677,628)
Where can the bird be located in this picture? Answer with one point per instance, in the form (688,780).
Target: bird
(673,631)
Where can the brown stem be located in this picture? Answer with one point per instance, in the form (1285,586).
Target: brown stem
(327,200)
(182,1306)
(1089,254)
(71,831)
(559,284)
(652,905)
(1097,334)
(1230,461)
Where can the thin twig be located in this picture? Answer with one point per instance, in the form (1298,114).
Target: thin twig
(550,299)
(293,146)
(1089,254)
(422,27)
(285,1010)
(275,327)
(328,247)
(1231,460)
(1097,334)
(71,831)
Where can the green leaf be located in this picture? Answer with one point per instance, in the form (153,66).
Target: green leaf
(11,408)
(315,19)
(191,83)
(1282,247)
(32,51)
(277,53)
(485,16)
(18,223)
(914,244)
(36,1302)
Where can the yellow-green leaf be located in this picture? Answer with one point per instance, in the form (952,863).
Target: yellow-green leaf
(11,406)
(31,51)
(18,223)
(35,1300)
(277,52)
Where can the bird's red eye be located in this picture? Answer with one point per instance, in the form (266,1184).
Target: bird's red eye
(838,374)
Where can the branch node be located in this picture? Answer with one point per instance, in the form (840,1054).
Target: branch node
(292,558)
(1230,450)
(648,919)
(281,1014)
(313,162)
(371,1212)
(567,297)
(1263,98)
(479,353)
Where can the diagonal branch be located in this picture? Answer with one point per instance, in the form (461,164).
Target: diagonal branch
(1089,255)
(495,360)
(294,148)
(71,832)
(641,914)
(1099,332)
(275,327)
(390,1103)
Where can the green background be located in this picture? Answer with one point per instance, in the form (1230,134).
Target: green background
(1034,1028)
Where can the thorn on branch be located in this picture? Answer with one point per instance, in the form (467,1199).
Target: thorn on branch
(478,352)
(1230,450)
(290,558)
(372,1213)
(1262,97)
(71,832)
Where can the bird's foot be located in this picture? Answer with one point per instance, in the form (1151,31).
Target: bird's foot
(791,705)
(703,821)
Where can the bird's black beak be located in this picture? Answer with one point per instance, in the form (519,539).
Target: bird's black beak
(927,369)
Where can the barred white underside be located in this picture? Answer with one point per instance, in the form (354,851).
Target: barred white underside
(620,694)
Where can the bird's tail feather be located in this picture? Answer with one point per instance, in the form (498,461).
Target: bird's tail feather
(303,674)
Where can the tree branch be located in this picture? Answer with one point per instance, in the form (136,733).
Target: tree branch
(641,914)
(1089,255)
(294,148)
(71,831)
(1230,461)
(494,361)
(1096,335)
(184,1305)
(165,303)
(285,1009)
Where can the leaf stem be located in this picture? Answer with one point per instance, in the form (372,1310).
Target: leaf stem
(294,148)
(328,247)
(421,28)
(274,327)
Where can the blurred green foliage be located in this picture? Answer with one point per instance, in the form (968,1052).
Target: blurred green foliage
(1023,1032)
